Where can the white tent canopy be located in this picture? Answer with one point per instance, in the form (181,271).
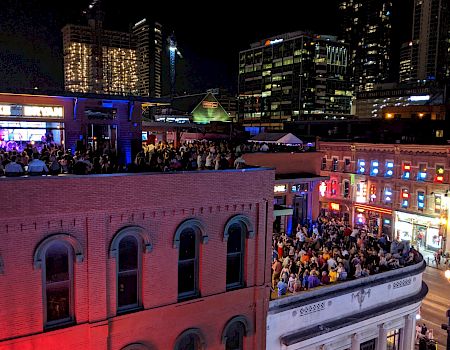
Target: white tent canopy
(279,138)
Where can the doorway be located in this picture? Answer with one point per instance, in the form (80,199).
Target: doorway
(102,136)
(300,215)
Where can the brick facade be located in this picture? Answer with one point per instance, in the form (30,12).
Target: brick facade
(92,209)
(345,169)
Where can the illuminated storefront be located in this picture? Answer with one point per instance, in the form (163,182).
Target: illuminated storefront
(425,231)
(21,124)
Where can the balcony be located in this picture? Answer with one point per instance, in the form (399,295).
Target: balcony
(361,310)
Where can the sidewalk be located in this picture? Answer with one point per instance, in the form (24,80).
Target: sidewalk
(428,256)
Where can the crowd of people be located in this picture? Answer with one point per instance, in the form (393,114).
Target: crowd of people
(328,251)
(52,159)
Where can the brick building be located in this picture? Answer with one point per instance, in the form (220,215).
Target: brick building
(73,121)
(398,189)
(136,261)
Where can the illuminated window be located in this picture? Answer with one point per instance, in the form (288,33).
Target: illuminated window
(420,200)
(361,192)
(58,284)
(439,177)
(373,193)
(404,198)
(389,169)
(422,173)
(374,168)
(361,166)
(437,203)
(406,171)
(387,195)
(393,340)
(333,186)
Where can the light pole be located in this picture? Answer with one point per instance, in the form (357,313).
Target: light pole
(444,326)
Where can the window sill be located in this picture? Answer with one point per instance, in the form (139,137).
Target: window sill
(56,326)
(188,297)
(129,310)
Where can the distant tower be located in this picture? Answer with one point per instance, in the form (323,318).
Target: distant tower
(173,52)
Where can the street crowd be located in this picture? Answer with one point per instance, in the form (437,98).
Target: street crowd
(328,251)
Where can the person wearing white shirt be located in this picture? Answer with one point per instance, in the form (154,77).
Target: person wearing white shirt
(37,166)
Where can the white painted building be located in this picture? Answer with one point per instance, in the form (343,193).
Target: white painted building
(372,313)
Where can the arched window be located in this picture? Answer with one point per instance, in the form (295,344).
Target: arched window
(58,284)
(187,239)
(234,332)
(235,336)
(190,339)
(235,255)
(56,255)
(237,229)
(128,273)
(188,264)
(127,247)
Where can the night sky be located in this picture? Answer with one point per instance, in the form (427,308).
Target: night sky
(210,35)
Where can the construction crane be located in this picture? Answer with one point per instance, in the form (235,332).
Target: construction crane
(173,52)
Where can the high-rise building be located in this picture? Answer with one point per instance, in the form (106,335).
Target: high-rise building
(112,62)
(430,40)
(293,76)
(405,62)
(367,27)
(149,54)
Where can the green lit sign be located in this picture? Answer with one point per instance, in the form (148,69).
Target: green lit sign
(208,110)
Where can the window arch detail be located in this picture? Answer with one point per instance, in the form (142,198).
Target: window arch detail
(136,346)
(137,232)
(229,325)
(194,224)
(239,219)
(39,254)
(190,333)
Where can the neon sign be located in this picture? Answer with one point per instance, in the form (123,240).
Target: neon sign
(322,188)
(37,111)
(273,42)
(210,104)
(335,206)
(279,188)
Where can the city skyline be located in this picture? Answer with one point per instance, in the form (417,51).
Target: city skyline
(31,38)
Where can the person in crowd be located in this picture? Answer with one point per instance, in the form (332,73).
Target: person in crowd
(282,287)
(12,168)
(37,166)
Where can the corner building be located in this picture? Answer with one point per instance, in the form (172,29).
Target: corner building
(138,261)
(397,189)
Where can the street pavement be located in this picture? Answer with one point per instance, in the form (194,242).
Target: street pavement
(435,305)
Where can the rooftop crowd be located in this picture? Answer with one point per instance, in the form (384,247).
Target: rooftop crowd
(327,251)
(52,159)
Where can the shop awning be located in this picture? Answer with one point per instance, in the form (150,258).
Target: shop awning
(282,210)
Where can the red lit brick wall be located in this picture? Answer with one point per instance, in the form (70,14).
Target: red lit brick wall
(93,209)
(287,163)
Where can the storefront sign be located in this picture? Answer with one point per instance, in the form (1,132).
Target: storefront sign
(279,188)
(31,111)
(335,206)
(210,104)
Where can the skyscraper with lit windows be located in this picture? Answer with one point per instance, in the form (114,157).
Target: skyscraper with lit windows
(293,76)
(112,62)
(367,27)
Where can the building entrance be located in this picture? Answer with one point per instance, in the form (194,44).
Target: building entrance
(101,136)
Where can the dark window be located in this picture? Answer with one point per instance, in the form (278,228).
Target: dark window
(128,273)
(58,284)
(335,164)
(235,337)
(368,345)
(324,164)
(188,342)
(235,255)
(346,189)
(188,264)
